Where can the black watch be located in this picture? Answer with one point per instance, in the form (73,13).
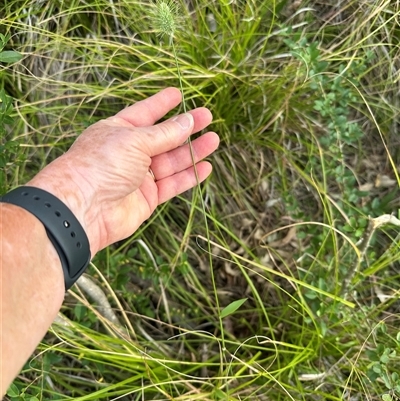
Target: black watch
(62,227)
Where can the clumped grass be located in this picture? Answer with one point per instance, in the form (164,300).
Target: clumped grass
(305,98)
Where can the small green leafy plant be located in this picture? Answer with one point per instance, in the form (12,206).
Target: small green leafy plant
(333,103)
(384,364)
(333,90)
(10,154)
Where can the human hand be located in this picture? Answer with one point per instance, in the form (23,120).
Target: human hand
(104,177)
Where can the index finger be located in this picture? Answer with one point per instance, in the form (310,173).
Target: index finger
(148,111)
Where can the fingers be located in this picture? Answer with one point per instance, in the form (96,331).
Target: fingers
(202,118)
(182,181)
(180,159)
(172,133)
(147,112)
(167,135)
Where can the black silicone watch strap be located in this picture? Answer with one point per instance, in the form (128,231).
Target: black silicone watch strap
(63,229)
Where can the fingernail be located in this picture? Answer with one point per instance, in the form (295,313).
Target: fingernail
(184,120)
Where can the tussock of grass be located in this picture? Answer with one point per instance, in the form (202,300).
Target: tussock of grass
(305,98)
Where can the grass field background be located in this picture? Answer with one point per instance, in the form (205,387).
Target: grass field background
(290,292)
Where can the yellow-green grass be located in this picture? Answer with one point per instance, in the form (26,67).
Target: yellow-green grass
(287,232)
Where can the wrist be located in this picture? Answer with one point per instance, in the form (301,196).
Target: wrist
(62,180)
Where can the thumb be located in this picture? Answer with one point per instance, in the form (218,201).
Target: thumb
(169,134)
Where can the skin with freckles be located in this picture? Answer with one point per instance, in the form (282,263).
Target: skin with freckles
(104,179)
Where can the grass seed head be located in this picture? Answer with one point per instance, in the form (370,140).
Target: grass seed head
(166,18)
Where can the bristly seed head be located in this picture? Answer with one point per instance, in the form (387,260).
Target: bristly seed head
(165,17)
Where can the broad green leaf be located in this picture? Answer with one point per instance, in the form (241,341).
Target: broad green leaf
(11,145)
(80,311)
(385,359)
(10,56)
(372,355)
(232,307)
(13,391)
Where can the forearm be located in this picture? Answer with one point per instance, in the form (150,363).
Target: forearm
(32,288)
